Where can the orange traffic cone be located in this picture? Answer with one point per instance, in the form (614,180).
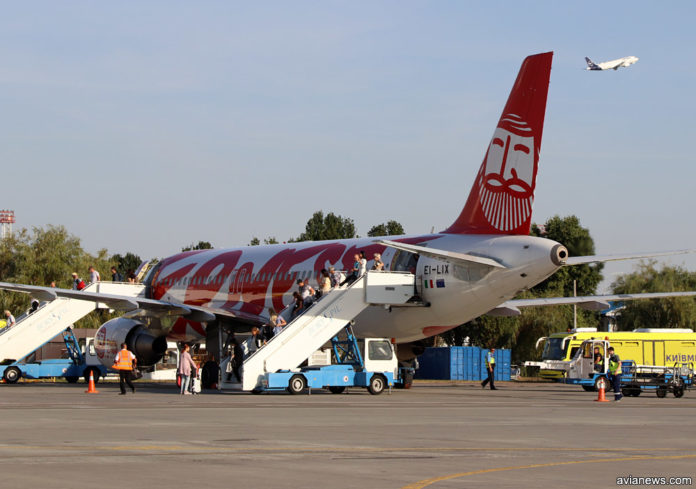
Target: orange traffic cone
(601,397)
(90,387)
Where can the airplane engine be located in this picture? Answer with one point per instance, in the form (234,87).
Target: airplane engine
(407,352)
(148,349)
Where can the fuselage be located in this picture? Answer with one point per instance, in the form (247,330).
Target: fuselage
(615,63)
(246,282)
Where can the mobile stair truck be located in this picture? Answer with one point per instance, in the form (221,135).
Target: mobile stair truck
(72,368)
(276,366)
(54,315)
(583,371)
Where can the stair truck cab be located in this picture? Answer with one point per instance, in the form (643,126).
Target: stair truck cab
(650,346)
(370,363)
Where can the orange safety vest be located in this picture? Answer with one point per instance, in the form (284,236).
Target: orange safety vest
(123,361)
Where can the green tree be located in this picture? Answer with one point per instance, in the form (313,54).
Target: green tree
(331,226)
(256,241)
(42,256)
(391,228)
(124,263)
(202,245)
(673,312)
(569,232)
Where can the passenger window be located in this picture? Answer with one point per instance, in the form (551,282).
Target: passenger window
(573,351)
(379,350)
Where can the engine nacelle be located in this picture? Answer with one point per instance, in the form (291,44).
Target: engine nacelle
(148,349)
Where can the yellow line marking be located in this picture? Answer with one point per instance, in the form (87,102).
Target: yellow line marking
(428,482)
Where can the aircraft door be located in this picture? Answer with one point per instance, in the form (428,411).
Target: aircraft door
(404,261)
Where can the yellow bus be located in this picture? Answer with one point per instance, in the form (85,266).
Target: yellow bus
(653,346)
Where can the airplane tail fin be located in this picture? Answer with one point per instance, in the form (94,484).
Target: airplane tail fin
(500,201)
(590,64)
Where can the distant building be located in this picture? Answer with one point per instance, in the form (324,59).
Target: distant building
(7,219)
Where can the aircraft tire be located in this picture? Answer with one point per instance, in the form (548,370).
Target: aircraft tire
(72,379)
(337,389)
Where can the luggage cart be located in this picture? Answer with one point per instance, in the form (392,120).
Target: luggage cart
(659,379)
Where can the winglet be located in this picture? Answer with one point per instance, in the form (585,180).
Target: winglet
(500,202)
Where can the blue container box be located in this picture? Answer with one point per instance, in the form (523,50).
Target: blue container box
(461,363)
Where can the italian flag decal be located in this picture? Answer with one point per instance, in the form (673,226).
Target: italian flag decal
(431,284)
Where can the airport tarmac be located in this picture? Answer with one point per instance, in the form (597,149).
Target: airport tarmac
(436,435)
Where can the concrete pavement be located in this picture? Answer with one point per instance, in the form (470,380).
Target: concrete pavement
(434,435)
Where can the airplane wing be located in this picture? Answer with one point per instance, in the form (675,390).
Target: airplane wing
(582,260)
(450,256)
(589,302)
(133,306)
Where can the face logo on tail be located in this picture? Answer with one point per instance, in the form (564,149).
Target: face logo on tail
(507,179)
(500,201)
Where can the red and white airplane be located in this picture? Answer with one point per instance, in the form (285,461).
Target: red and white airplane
(474,267)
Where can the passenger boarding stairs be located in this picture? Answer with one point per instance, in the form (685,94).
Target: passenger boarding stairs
(31,331)
(322,321)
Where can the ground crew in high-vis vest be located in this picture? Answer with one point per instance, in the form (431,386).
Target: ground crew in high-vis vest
(125,363)
(614,372)
(490,367)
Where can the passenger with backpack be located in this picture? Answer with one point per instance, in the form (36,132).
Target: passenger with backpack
(78,283)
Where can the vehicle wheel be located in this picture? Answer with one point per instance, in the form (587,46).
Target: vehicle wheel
(256,391)
(588,388)
(377,384)
(72,379)
(600,379)
(678,391)
(12,375)
(96,373)
(337,389)
(636,392)
(297,384)
(661,392)
(408,380)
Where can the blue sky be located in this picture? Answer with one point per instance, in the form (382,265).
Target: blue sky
(145,126)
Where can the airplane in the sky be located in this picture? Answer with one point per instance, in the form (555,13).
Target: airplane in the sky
(476,266)
(614,64)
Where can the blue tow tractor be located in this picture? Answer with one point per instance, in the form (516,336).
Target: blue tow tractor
(369,363)
(72,368)
(635,379)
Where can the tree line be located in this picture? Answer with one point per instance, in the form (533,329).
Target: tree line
(48,254)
